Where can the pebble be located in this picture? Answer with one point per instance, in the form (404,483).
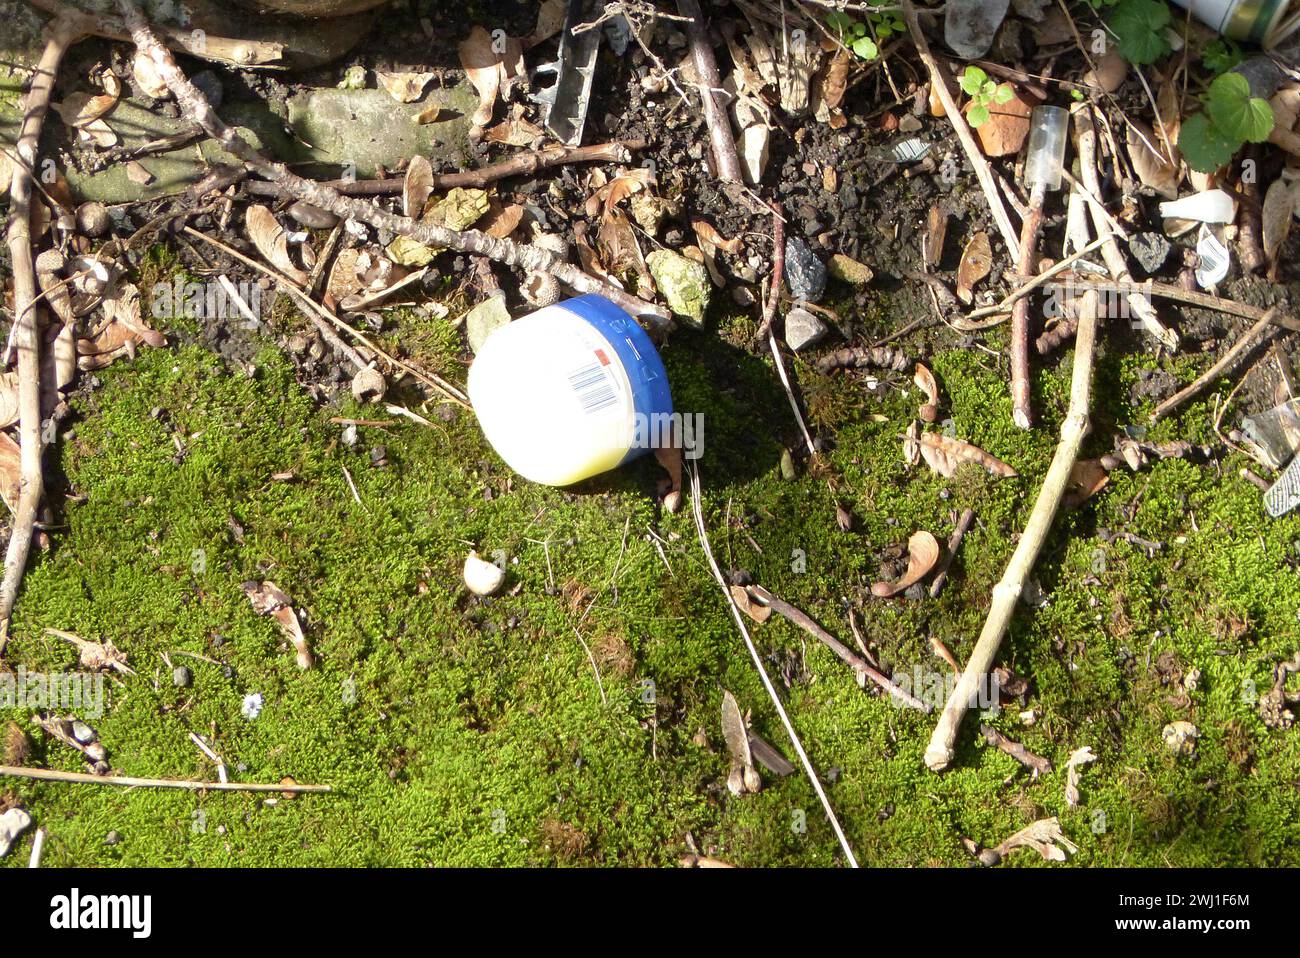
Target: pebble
(1150,250)
(83,733)
(312,217)
(1180,737)
(182,677)
(803,329)
(805,274)
(113,838)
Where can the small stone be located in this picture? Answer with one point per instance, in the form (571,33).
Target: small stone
(113,838)
(684,283)
(379,456)
(485,319)
(12,824)
(1150,250)
(368,385)
(1180,737)
(312,217)
(83,733)
(970,26)
(93,219)
(848,270)
(182,677)
(252,705)
(804,272)
(788,470)
(803,329)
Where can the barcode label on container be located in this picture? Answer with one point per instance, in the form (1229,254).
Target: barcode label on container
(592,385)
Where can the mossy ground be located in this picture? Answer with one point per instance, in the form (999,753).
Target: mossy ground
(458,731)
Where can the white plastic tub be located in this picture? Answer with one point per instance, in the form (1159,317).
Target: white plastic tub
(570,391)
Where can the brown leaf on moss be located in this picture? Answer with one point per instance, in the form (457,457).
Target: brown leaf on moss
(976,262)
(944,455)
(922,554)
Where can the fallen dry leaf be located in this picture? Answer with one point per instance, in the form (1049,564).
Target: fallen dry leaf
(147,77)
(976,262)
(707,233)
(912,444)
(1078,758)
(10,471)
(268,599)
(483,69)
(1043,836)
(550,21)
(501,221)
(1151,168)
(82,109)
(944,455)
(618,189)
(517,131)
(1087,478)
(1279,207)
(404,87)
(8,399)
(429,114)
(925,381)
(743,777)
(922,554)
(936,233)
(417,186)
(756,611)
(271,241)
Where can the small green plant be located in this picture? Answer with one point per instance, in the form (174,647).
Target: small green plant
(1231,118)
(862,38)
(1221,55)
(983,93)
(1139,28)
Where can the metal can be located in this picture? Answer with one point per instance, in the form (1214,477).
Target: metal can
(1251,21)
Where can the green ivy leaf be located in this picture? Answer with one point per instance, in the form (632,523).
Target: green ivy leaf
(1204,146)
(1139,26)
(1234,111)
(973,80)
(978,115)
(866,48)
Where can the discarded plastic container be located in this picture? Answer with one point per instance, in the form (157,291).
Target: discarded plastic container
(570,391)
(1211,206)
(1254,21)
(1048,128)
(1275,433)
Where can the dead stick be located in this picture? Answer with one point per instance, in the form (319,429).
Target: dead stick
(721,139)
(1007,592)
(1035,763)
(84,778)
(195,107)
(954,543)
(1022,412)
(1086,145)
(1249,342)
(973,153)
(844,653)
(778,270)
(62,33)
(521,164)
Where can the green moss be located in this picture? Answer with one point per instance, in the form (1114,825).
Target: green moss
(463,731)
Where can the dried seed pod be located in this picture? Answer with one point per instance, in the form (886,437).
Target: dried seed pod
(922,554)
(925,381)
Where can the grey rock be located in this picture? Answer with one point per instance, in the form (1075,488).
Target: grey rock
(1150,250)
(684,283)
(182,677)
(803,329)
(805,274)
(969,26)
(484,320)
(1263,75)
